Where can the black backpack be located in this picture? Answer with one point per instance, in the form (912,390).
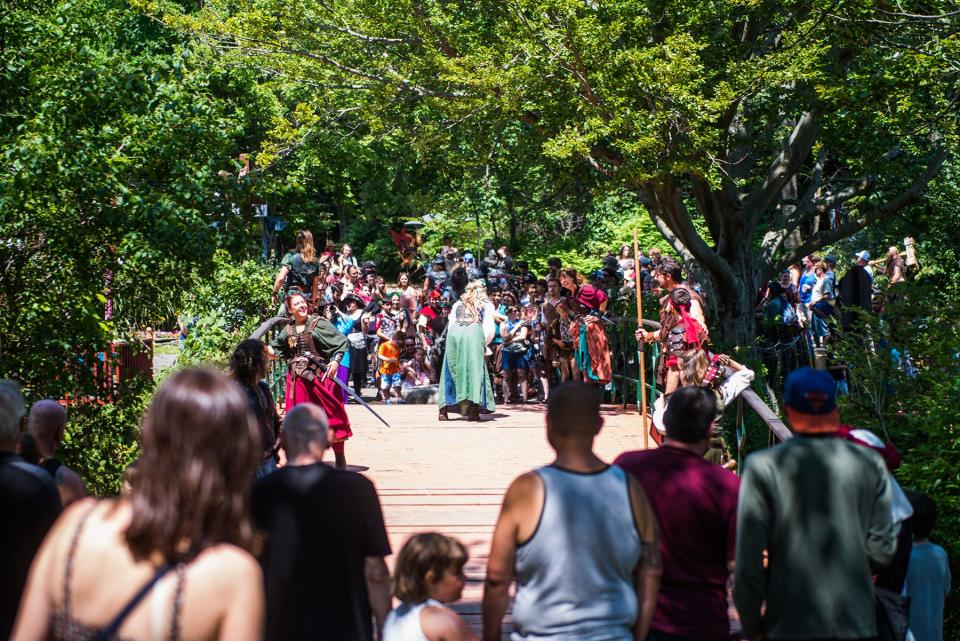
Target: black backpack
(301,274)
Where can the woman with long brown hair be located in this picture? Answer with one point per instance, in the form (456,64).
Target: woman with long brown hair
(299,270)
(314,349)
(171,559)
(587,305)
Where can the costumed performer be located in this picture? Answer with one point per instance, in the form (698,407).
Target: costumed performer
(723,376)
(313,348)
(587,305)
(464,384)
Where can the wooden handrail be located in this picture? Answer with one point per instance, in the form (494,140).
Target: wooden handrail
(773,422)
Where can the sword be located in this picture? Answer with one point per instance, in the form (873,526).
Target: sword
(355,396)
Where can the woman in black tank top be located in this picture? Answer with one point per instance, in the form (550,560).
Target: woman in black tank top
(181,569)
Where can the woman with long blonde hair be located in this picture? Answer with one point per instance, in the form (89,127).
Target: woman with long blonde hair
(464,384)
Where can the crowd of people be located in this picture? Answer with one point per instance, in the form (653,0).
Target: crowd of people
(536,330)
(815,541)
(231,526)
(808,296)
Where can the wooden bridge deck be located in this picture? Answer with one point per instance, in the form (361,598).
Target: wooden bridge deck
(450,476)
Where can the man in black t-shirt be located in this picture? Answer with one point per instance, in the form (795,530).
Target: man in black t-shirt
(46,424)
(29,504)
(324,557)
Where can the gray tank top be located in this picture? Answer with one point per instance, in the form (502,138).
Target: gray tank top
(575,574)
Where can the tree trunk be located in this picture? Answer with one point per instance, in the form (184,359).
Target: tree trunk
(731,305)
(732,319)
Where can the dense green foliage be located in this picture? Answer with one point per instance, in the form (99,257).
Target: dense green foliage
(112,135)
(731,131)
(224,309)
(756,119)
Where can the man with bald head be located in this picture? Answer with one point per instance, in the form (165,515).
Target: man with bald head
(28,507)
(46,425)
(325,535)
(587,561)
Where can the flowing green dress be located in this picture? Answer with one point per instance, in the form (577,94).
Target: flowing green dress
(464,378)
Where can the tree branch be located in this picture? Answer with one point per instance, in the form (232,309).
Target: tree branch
(908,197)
(785,165)
(708,206)
(665,201)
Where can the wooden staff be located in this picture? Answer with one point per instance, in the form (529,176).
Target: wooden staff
(640,346)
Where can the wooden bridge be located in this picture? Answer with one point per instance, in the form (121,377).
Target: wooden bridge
(450,477)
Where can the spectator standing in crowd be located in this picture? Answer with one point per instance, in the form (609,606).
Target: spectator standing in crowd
(894,268)
(855,290)
(428,575)
(655,257)
(822,300)
(29,502)
(388,355)
(437,276)
(646,275)
(863,260)
(524,276)
(177,545)
(407,291)
(392,319)
(326,541)
(805,286)
(299,270)
(818,509)
(46,426)
(578,536)
(346,258)
(514,332)
(352,306)
(830,263)
(563,342)
(626,262)
(248,367)
(928,575)
(695,502)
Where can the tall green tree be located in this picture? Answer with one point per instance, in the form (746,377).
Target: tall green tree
(755,132)
(113,134)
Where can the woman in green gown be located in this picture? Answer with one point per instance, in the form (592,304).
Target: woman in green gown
(464,383)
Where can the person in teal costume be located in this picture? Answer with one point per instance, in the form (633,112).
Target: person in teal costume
(464,384)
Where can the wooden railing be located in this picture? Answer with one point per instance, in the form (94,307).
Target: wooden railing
(625,363)
(277,369)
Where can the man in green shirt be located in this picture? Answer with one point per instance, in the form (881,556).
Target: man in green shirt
(818,508)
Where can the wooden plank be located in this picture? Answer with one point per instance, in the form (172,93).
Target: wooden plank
(450,477)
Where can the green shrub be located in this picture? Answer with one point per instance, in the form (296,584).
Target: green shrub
(905,386)
(225,308)
(101,440)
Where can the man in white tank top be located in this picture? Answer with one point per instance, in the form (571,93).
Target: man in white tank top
(579,538)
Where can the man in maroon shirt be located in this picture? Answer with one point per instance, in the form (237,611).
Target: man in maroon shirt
(696,505)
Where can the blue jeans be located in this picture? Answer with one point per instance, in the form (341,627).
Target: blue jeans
(513,360)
